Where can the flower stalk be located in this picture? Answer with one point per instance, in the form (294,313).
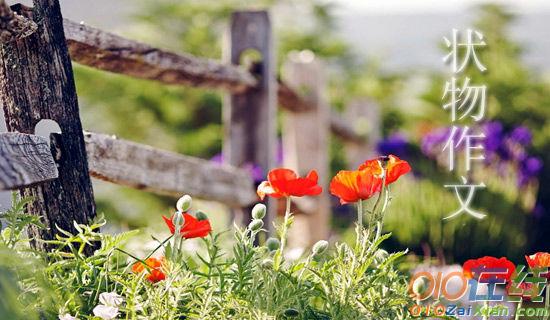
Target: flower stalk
(277,259)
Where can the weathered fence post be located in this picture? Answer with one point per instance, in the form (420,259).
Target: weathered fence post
(36,82)
(250,117)
(363,116)
(305,145)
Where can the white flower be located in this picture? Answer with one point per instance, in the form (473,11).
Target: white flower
(67,316)
(110,299)
(105,312)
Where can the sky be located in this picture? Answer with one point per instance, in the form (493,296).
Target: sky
(433,6)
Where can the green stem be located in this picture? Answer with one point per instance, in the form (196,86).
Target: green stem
(284,230)
(381,192)
(158,247)
(375,214)
(517,309)
(134,257)
(360,213)
(485,310)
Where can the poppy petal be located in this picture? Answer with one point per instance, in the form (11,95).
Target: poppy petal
(170,224)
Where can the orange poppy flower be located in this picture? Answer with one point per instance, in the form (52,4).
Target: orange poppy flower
(352,186)
(488,268)
(283,182)
(395,168)
(192,228)
(154,268)
(539,260)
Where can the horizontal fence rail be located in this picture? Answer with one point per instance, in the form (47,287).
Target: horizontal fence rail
(25,160)
(164,172)
(103,50)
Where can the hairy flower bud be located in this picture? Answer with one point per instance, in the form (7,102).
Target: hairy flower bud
(291,313)
(256,225)
(184,203)
(320,247)
(273,244)
(178,220)
(259,210)
(419,286)
(201,215)
(380,256)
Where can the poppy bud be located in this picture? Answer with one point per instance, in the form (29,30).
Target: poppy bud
(201,216)
(258,212)
(184,203)
(178,220)
(272,244)
(380,256)
(419,286)
(320,247)
(267,263)
(256,225)
(291,313)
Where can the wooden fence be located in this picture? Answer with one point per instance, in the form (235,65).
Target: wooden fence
(37,46)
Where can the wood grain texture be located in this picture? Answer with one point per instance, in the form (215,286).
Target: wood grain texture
(25,160)
(99,49)
(250,117)
(12,25)
(36,82)
(163,172)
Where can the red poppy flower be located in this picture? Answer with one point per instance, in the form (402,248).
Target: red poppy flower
(489,268)
(154,268)
(395,167)
(352,186)
(283,182)
(192,228)
(539,260)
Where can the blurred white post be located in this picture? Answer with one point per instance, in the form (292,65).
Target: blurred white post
(306,146)
(363,115)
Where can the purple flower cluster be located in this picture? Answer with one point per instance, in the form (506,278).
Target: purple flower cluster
(433,142)
(501,148)
(396,144)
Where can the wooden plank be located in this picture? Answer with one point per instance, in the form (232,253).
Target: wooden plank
(36,82)
(306,147)
(250,117)
(12,25)
(25,160)
(99,49)
(168,173)
(102,50)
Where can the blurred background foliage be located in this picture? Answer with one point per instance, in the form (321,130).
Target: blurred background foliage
(188,121)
